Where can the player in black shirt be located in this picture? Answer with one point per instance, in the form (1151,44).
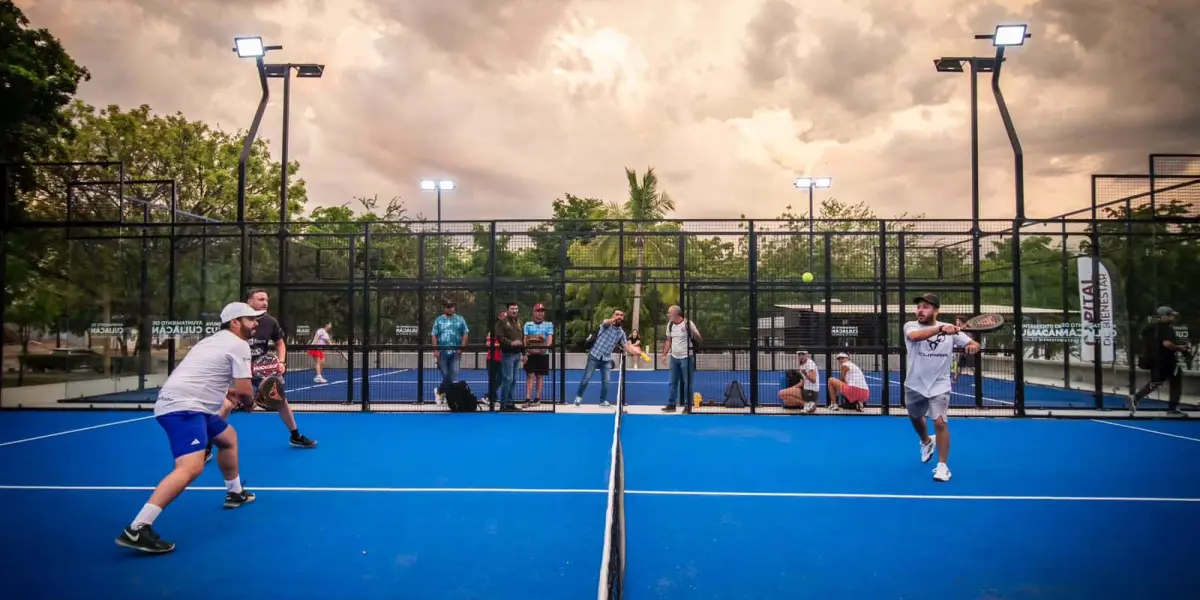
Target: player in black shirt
(1160,348)
(269,333)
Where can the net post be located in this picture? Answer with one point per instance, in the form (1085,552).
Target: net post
(885,396)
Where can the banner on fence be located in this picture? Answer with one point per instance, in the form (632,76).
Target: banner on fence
(1096,302)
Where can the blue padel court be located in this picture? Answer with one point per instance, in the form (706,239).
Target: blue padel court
(483,506)
(642,388)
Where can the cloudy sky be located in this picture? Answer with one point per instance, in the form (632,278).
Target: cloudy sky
(520,101)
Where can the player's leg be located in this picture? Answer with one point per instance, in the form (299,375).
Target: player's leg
(791,397)
(674,384)
(296,438)
(187,436)
(529,378)
(584,379)
(1176,390)
(834,389)
(1158,376)
(605,380)
(225,438)
(938,407)
(917,406)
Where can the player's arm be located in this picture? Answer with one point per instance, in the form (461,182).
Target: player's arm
(631,348)
(964,341)
(242,391)
(695,331)
(811,375)
(433,335)
(281,350)
(915,333)
(845,373)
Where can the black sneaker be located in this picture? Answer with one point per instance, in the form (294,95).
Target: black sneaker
(509,408)
(145,540)
(300,441)
(670,408)
(238,499)
(208,454)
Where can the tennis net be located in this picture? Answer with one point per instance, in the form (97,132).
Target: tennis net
(612,562)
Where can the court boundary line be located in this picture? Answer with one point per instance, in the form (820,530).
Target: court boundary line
(359,490)
(69,431)
(1154,431)
(481,490)
(907,496)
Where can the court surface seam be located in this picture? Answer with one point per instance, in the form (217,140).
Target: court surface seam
(81,429)
(1154,431)
(417,490)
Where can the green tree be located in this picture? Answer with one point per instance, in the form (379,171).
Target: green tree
(37,79)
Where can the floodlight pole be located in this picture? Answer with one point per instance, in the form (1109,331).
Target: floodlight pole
(247,147)
(810,225)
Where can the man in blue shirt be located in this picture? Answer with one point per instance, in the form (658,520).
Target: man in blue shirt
(600,356)
(449,336)
(539,342)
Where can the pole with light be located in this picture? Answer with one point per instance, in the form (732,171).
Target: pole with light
(284,72)
(250,47)
(811,183)
(430,185)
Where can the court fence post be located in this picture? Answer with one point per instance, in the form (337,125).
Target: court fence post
(902,292)
(366,321)
(884,334)
(1097,335)
(422,329)
(561,341)
(753,293)
(492,312)
(349,291)
(1018,324)
(826,320)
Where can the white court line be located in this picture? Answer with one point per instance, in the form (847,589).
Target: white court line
(386,490)
(374,490)
(1163,433)
(329,383)
(50,435)
(907,496)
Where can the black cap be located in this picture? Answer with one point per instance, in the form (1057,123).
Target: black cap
(930,298)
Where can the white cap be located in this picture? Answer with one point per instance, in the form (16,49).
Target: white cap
(237,310)
(843,355)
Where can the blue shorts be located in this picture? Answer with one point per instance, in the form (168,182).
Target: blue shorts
(189,431)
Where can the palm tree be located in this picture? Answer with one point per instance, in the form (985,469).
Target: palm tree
(644,209)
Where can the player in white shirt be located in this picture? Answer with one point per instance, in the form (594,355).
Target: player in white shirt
(931,345)
(852,385)
(188,409)
(802,387)
(320,338)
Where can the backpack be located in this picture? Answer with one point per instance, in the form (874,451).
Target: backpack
(460,398)
(695,343)
(734,397)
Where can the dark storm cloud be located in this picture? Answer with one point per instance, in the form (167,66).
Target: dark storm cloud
(495,35)
(772,43)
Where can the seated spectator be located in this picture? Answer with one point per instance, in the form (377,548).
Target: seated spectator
(800,387)
(852,386)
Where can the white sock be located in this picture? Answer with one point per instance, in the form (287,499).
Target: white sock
(942,464)
(234,485)
(146,516)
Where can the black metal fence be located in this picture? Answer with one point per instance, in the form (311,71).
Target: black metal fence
(102,305)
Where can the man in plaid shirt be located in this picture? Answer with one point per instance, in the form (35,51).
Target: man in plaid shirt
(600,356)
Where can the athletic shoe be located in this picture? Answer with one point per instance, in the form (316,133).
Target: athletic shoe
(300,441)
(578,401)
(509,408)
(670,408)
(810,407)
(144,539)
(236,500)
(1131,403)
(927,450)
(941,473)
(208,454)
(605,404)
(319,379)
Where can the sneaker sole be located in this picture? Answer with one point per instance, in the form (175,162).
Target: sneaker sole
(308,447)
(122,542)
(240,504)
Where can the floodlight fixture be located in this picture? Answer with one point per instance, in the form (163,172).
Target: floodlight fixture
(823,182)
(440,185)
(949,65)
(310,71)
(1010,35)
(249,47)
(803,182)
(428,185)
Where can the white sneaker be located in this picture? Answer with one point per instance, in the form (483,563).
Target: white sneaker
(927,450)
(439,398)
(941,472)
(319,379)
(605,404)
(578,401)
(810,407)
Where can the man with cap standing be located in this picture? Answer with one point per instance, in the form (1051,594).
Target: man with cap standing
(931,344)
(1159,348)
(189,411)
(539,340)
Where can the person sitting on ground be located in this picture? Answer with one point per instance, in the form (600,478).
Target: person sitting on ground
(852,386)
(801,387)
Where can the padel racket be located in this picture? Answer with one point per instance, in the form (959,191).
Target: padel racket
(983,323)
(265,366)
(270,394)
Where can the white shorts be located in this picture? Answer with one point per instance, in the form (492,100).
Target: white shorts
(920,406)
